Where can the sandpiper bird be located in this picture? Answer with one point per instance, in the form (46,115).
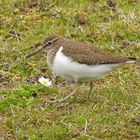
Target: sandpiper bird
(76,61)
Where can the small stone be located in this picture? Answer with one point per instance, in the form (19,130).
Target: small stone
(34,94)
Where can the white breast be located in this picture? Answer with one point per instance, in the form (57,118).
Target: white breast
(65,67)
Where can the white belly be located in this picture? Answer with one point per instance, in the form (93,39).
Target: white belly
(65,67)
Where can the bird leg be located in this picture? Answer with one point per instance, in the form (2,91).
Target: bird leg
(65,98)
(90,89)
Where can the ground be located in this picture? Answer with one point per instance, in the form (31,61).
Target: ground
(113,113)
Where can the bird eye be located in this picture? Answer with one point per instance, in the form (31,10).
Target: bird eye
(49,43)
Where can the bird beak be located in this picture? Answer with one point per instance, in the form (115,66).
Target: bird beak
(36,51)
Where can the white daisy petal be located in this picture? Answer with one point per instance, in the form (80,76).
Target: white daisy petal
(50,83)
(45,81)
(41,79)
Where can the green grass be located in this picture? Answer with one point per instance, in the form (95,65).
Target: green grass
(113,113)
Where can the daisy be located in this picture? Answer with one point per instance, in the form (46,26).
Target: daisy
(45,81)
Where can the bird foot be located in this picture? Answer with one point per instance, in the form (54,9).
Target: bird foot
(61,100)
(89,97)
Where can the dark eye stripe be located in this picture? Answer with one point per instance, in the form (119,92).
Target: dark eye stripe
(51,42)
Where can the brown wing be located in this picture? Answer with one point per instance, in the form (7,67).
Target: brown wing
(87,54)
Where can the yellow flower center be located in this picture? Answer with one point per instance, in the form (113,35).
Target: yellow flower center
(45,82)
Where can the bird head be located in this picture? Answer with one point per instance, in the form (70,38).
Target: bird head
(47,45)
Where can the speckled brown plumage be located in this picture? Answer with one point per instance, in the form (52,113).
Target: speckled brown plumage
(83,53)
(51,55)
